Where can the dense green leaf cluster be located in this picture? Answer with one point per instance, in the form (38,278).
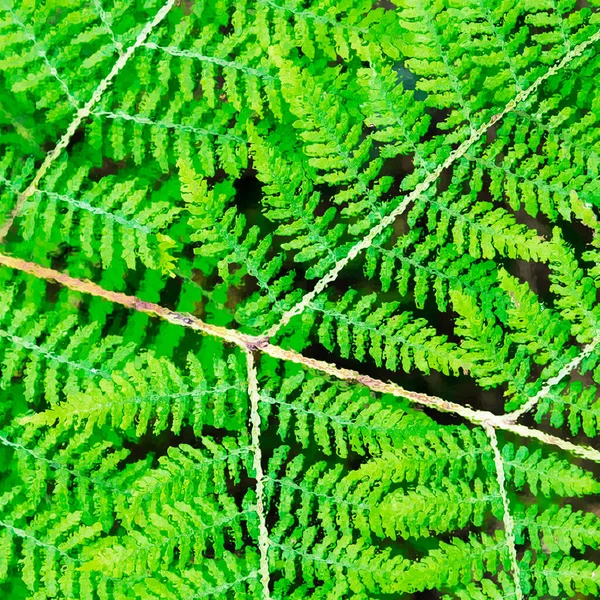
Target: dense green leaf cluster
(238,151)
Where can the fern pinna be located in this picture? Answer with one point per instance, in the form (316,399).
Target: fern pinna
(298,299)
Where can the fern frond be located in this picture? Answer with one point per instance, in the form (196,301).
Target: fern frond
(234,576)
(435,456)
(333,143)
(558,530)
(224,241)
(358,325)
(565,576)
(575,291)
(453,563)
(53,355)
(339,419)
(574,405)
(423,512)
(150,393)
(388,185)
(291,200)
(485,589)
(112,217)
(473,225)
(423,268)
(550,475)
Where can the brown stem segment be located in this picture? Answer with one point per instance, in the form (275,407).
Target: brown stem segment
(87,287)
(252,343)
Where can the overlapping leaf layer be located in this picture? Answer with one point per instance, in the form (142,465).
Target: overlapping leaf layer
(224,159)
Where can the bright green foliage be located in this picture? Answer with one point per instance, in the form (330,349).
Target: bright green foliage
(359,326)
(220,162)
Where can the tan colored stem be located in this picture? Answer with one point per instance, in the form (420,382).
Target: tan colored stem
(509,522)
(259,343)
(263,533)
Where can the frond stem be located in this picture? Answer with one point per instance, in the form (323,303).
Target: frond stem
(512,417)
(509,523)
(263,534)
(422,187)
(252,343)
(83,113)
